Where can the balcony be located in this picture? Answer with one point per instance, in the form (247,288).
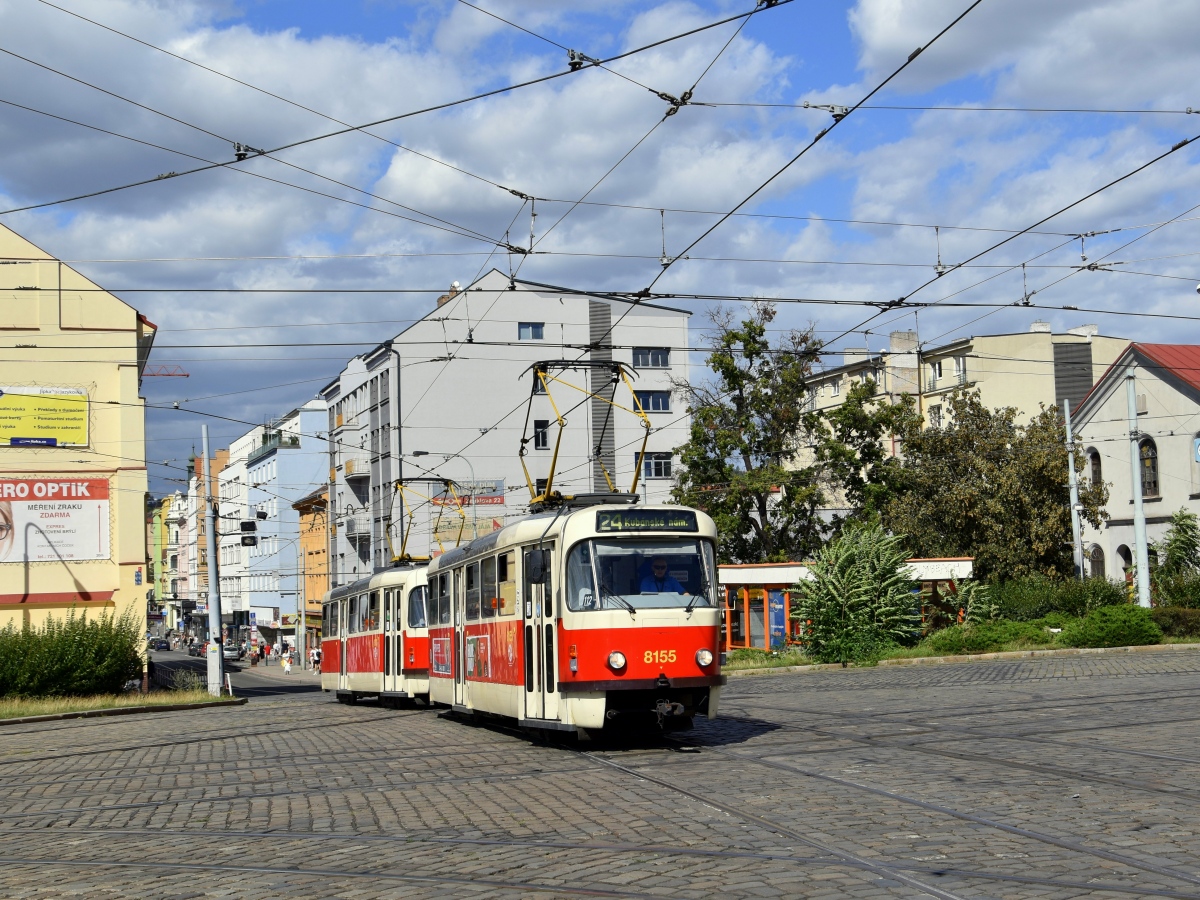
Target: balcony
(272,441)
(357,528)
(356,463)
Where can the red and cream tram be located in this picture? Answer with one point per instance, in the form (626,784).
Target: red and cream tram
(577,618)
(374,639)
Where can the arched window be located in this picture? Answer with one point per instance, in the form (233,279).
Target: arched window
(1096,562)
(1095,470)
(1126,561)
(1149,468)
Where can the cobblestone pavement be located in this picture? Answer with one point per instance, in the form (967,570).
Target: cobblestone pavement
(1048,778)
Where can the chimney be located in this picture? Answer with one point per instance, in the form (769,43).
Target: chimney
(903,341)
(1040,327)
(446,298)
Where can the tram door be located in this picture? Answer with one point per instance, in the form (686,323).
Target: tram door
(540,652)
(343,630)
(460,638)
(391,638)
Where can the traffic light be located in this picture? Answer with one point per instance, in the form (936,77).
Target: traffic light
(249,538)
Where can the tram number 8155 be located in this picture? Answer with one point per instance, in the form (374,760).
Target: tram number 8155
(659,656)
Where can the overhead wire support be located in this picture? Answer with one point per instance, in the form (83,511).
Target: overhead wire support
(817,138)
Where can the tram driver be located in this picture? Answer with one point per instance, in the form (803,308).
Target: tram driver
(659,581)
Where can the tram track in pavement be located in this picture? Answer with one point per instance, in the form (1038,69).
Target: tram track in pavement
(896,742)
(241,732)
(968,732)
(374,874)
(409,839)
(1041,837)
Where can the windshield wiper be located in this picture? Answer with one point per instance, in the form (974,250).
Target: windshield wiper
(606,592)
(695,597)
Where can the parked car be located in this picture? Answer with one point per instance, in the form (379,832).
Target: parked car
(231,651)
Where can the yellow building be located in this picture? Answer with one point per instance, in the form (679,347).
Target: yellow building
(72,442)
(314,556)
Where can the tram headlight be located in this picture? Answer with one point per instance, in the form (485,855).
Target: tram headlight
(704,658)
(616,660)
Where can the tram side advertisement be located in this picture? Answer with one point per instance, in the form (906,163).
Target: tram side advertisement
(53,519)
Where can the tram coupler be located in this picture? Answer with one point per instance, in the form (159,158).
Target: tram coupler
(666,709)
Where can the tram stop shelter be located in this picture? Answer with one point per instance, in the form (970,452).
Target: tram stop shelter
(758,598)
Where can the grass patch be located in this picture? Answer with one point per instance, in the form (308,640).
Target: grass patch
(764,659)
(15,708)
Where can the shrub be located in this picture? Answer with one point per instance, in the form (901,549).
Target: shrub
(1112,626)
(1178,590)
(1177,621)
(187,680)
(74,656)
(1034,597)
(859,601)
(986,637)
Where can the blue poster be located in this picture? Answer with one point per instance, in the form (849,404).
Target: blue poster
(777,617)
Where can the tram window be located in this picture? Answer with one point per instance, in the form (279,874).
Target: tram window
(416,606)
(388,597)
(472,592)
(352,616)
(506,575)
(444,609)
(490,600)
(334,621)
(371,617)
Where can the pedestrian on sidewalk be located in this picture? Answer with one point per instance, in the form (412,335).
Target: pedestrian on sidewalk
(317,661)
(287,663)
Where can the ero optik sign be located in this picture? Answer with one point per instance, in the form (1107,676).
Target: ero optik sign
(53,519)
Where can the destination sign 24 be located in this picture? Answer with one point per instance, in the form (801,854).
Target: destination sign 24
(646,520)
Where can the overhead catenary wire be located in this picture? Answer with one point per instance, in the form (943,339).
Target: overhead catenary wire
(388,119)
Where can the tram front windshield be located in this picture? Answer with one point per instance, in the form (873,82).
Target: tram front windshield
(640,573)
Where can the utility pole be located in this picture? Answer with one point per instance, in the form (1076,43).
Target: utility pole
(1076,538)
(1141,556)
(216,648)
(301,604)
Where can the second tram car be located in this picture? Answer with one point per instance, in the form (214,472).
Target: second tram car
(578,618)
(375,637)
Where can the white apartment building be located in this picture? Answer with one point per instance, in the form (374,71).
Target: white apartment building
(234,505)
(448,397)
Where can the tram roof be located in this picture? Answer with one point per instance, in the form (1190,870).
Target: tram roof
(378,579)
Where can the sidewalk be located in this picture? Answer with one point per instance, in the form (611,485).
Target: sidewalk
(275,670)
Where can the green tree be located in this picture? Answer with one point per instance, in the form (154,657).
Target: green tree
(859,600)
(984,486)
(747,428)
(1179,551)
(853,448)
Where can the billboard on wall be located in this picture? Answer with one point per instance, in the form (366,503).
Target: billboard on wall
(488,492)
(43,416)
(53,519)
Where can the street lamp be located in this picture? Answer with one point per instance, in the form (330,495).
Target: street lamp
(447,457)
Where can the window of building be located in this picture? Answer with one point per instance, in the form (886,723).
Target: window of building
(651,358)
(655,465)
(530,331)
(1148,453)
(654,401)
(1095,561)
(960,369)
(1095,471)
(935,416)
(935,372)
(541,434)
(835,387)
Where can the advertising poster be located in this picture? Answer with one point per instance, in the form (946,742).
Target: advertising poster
(53,519)
(440,655)
(488,492)
(43,416)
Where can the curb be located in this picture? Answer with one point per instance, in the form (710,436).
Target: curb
(121,711)
(973,657)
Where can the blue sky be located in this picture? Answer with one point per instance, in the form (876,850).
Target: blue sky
(362,61)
